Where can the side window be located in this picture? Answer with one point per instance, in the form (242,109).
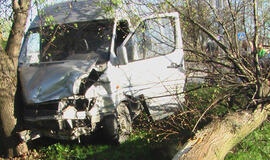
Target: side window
(154,37)
(31,49)
(122,31)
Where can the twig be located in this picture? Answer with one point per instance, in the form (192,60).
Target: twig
(213,104)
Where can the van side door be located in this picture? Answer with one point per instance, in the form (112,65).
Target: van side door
(155,65)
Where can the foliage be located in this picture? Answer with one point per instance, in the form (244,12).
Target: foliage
(3,43)
(5,27)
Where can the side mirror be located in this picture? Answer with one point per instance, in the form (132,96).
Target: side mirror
(122,55)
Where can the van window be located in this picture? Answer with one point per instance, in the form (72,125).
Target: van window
(122,31)
(30,51)
(33,48)
(74,41)
(154,37)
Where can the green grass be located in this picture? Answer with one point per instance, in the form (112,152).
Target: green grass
(256,146)
(137,147)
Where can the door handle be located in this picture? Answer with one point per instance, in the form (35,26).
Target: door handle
(174,65)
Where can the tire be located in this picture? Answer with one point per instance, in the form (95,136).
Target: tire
(124,122)
(118,127)
(110,128)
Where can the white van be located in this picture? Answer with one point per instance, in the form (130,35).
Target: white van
(88,71)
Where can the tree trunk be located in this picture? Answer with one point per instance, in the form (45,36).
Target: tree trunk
(217,139)
(220,136)
(9,114)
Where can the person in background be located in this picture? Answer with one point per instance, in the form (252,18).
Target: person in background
(261,51)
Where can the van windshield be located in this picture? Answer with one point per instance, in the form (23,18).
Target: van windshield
(74,41)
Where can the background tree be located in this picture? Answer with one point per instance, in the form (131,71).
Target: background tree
(9,114)
(235,69)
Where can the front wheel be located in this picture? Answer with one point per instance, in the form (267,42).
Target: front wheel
(124,122)
(118,127)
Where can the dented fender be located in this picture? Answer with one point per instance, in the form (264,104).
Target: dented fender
(107,94)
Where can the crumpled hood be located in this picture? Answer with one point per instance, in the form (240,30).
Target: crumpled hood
(54,80)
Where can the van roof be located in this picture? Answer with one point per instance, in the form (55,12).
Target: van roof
(85,10)
(68,12)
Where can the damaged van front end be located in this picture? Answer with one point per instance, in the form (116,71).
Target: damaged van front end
(54,99)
